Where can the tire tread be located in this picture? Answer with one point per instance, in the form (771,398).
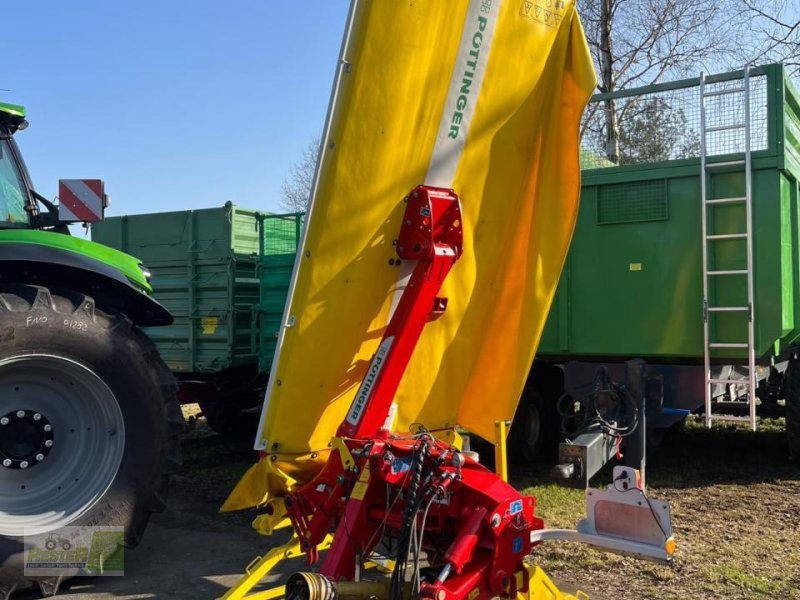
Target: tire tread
(21,298)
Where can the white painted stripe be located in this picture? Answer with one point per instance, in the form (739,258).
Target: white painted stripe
(459,108)
(65,214)
(465,87)
(85,195)
(365,391)
(444,161)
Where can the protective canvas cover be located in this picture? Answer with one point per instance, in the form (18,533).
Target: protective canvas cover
(482,96)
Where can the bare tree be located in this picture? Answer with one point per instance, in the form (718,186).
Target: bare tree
(639,42)
(296,186)
(656,131)
(774,33)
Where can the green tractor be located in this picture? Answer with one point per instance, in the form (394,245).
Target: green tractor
(89,422)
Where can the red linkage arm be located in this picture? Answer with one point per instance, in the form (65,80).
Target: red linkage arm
(414,491)
(431,234)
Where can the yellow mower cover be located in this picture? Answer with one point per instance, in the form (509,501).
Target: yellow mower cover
(482,96)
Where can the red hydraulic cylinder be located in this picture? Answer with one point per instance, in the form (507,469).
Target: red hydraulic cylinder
(463,547)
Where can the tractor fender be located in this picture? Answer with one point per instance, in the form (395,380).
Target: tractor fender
(48,266)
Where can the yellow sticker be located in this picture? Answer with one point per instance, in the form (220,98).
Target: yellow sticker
(209,325)
(359,491)
(636,266)
(474,594)
(360,488)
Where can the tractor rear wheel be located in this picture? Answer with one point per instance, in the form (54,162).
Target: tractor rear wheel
(89,423)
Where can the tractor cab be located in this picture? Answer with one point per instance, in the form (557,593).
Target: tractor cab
(21,207)
(17,204)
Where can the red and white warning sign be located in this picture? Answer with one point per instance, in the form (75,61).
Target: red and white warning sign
(81,200)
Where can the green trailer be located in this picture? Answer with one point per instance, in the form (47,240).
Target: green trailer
(633,283)
(280,237)
(203,264)
(224,274)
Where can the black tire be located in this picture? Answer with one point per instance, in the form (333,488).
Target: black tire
(220,414)
(654,439)
(792,397)
(535,430)
(224,414)
(66,326)
(528,430)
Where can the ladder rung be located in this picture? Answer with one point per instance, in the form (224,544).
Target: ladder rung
(728,309)
(727,200)
(723,92)
(728,272)
(725,127)
(725,404)
(727,345)
(726,236)
(729,381)
(730,417)
(725,163)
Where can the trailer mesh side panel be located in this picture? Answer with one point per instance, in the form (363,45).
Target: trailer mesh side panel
(655,124)
(281,233)
(632,202)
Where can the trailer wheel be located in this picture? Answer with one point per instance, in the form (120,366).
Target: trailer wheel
(221,414)
(89,423)
(792,397)
(528,430)
(226,410)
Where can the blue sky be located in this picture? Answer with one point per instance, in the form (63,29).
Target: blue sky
(176,104)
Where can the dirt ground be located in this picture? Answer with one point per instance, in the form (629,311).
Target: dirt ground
(736,514)
(191,551)
(735,503)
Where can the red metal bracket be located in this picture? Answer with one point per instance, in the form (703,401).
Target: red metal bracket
(431,234)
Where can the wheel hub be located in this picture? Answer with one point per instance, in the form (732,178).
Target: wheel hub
(79,436)
(26,438)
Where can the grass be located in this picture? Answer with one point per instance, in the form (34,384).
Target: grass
(561,505)
(736,514)
(735,504)
(738,577)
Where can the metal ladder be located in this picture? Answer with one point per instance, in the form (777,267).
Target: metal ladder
(712,274)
